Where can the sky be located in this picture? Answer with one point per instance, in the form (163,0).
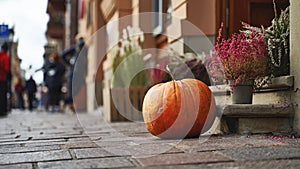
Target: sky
(30,19)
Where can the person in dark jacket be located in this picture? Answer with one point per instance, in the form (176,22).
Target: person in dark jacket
(4,71)
(70,57)
(31,89)
(54,72)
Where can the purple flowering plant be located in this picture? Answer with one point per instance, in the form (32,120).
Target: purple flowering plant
(243,55)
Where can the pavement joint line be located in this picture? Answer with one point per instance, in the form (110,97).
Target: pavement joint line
(35,165)
(31,141)
(135,162)
(72,154)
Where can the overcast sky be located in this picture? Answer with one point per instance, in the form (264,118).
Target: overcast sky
(30,19)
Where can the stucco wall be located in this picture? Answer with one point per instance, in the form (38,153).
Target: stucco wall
(295,57)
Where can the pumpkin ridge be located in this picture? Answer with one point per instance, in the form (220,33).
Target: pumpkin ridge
(165,102)
(207,93)
(191,83)
(176,108)
(209,96)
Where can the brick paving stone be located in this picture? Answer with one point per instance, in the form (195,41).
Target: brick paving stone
(86,139)
(42,134)
(116,162)
(141,150)
(58,137)
(22,149)
(34,156)
(182,158)
(263,153)
(18,166)
(80,144)
(3,141)
(104,143)
(276,164)
(91,153)
(60,141)
(36,142)
(129,127)
(225,142)
(283,139)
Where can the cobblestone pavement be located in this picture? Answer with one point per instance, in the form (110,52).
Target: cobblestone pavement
(64,140)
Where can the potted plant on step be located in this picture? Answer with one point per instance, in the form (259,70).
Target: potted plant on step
(243,57)
(277,37)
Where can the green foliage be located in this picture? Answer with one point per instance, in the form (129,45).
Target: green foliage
(277,40)
(128,62)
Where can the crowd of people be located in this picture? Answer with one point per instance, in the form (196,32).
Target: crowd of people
(30,88)
(55,89)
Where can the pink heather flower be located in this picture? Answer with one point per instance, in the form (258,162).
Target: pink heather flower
(242,55)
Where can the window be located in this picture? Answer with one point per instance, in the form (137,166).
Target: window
(89,14)
(157,17)
(169,10)
(159,8)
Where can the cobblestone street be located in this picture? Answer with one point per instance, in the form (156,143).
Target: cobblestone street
(65,140)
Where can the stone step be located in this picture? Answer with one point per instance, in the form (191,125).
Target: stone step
(257,118)
(277,92)
(258,110)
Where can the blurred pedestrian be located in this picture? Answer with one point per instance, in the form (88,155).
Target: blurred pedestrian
(31,89)
(4,72)
(71,56)
(19,90)
(39,97)
(54,72)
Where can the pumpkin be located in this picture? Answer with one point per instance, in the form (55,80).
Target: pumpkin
(179,109)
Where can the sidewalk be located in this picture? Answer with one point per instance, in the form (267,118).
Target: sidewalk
(65,140)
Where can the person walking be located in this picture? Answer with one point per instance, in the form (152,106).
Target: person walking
(31,89)
(70,57)
(4,71)
(54,72)
(19,90)
(39,97)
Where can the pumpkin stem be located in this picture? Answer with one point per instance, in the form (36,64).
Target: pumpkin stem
(169,70)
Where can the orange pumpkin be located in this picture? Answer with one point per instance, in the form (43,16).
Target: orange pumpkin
(179,109)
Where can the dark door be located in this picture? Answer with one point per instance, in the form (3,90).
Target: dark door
(254,12)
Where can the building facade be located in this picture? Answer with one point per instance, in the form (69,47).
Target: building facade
(207,15)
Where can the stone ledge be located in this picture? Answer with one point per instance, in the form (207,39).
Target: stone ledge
(258,110)
(277,83)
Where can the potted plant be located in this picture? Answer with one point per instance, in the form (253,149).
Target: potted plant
(188,65)
(277,37)
(243,58)
(277,43)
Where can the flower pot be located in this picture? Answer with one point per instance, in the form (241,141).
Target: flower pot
(242,93)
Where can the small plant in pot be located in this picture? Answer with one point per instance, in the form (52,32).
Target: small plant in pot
(277,37)
(277,40)
(243,57)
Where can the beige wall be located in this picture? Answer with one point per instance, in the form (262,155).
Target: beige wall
(203,15)
(179,8)
(295,57)
(200,13)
